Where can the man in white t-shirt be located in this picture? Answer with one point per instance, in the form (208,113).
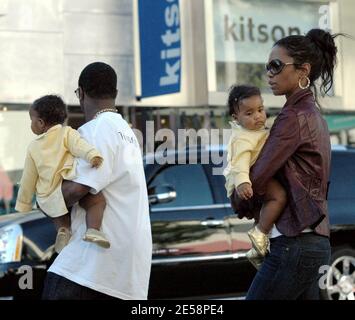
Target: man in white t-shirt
(84,270)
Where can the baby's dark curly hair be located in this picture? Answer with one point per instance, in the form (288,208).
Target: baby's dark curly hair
(51,109)
(238,93)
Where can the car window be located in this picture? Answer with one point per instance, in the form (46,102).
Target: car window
(190,183)
(342,166)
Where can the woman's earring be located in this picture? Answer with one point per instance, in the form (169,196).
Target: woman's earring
(307,85)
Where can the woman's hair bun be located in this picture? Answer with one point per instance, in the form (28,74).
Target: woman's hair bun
(323,40)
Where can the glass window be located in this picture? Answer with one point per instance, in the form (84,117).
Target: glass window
(245,31)
(190,183)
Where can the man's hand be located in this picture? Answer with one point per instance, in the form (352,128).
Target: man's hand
(245,191)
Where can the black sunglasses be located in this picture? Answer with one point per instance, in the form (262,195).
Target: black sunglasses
(276,66)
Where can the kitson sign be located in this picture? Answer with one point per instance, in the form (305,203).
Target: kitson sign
(159,47)
(244,29)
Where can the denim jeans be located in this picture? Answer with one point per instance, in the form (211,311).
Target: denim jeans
(291,270)
(59,288)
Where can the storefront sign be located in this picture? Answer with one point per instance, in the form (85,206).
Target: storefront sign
(159,47)
(245,31)
(338,122)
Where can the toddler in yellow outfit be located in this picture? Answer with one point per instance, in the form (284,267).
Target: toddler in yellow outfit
(50,159)
(248,137)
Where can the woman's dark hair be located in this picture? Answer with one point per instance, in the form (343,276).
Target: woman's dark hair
(238,93)
(99,80)
(318,49)
(51,109)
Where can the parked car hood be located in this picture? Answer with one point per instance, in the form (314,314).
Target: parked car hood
(20,217)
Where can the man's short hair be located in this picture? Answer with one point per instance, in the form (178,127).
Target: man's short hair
(99,80)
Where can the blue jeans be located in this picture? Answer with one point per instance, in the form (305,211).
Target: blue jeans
(291,270)
(57,287)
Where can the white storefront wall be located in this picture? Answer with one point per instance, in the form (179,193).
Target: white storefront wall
(44,45)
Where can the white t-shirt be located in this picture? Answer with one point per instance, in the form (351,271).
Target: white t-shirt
(123,270)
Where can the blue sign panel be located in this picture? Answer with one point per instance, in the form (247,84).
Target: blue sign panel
(160,46)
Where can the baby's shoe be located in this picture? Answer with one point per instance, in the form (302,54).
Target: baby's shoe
(259,240)
(63,237)
(98,237)
(255,259)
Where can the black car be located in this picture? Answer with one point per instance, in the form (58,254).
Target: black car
(199,244)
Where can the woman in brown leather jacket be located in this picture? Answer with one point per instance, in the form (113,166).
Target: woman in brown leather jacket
(297,154)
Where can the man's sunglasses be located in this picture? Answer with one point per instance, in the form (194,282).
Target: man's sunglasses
(276,66)
(77,93)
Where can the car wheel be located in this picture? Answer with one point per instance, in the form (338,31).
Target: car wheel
(340,278)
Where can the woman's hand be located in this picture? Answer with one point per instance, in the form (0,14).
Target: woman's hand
(245,191)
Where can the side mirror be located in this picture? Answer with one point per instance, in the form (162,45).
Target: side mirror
(161,194)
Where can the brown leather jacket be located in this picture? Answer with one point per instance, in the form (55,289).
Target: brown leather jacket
(297,153)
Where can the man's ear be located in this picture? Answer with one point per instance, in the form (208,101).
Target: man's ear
(81,93)
(116,93)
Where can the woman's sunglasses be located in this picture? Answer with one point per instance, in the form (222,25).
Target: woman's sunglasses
(276,66)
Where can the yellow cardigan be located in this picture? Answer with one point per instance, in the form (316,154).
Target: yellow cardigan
(49,160)
(243,149)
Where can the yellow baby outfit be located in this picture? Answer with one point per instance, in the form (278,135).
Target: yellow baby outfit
(50,159)
(243,149)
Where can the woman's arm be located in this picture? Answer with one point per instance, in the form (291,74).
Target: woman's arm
(283,141)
